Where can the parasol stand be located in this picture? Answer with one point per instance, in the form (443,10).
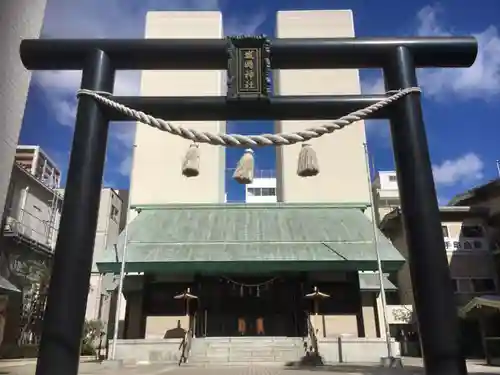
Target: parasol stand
(316,296)
(187,296)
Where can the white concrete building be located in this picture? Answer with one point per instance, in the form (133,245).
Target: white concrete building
(19,19)
(108,230)
(30,226)
(32,209)
(338,180)
(39,164)
(110,223)
(385,192)
(262,189)
(156,168)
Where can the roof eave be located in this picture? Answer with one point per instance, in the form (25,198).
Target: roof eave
(211,206)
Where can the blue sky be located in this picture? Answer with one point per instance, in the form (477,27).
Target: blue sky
(460,105)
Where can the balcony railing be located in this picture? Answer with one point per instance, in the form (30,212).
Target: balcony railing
(25,225)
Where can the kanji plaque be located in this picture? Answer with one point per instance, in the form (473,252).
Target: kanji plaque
(248,68)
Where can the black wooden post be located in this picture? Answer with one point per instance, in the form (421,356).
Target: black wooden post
(65,313)
(430,274)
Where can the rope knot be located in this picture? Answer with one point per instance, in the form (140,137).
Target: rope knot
(92,93)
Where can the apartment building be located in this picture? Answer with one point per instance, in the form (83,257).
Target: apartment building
(108,228)
(385,193)
(468,248)
(39,164)
(30,225)
(110,222)
(486,196)
(467,236)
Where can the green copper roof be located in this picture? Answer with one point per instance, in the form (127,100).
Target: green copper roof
(249,238)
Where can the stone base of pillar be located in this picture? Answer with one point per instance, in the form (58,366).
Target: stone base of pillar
(391,362)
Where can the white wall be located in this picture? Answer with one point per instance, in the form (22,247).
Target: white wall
(156,168)
(19,19)
(108,230)
(32,210)
(386,180)
(385,193)
(338,180)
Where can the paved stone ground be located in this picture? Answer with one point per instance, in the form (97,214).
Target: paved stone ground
(412,366)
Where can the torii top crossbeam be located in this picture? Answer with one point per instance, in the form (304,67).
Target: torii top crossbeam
(205,54)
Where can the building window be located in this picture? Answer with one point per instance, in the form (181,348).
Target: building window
(392,178)
(256,192)
(472,231)
(268,192)
(444,228)
(114,213)
(483,285)
(262,192)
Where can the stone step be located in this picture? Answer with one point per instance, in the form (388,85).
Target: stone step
(245,354)
(248,343)
(268,359)
(244,350)
(233,364)
(250,348)
(225,351)
(248,354)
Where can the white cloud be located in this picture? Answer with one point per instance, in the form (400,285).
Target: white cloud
(60,89)
(373,86)
(124,132)
(428,24)
(125,166)
(247,26)
(465,169)
(110,19)
(482,80)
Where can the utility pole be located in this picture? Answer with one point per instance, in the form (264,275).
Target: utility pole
(389,361)
(123,263)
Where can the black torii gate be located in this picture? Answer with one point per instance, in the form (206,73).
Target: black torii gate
(398,57)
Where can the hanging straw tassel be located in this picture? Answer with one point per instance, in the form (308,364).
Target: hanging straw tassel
(191,162)
(244,171)
(308,162)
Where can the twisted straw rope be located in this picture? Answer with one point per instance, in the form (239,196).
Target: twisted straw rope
(239,140)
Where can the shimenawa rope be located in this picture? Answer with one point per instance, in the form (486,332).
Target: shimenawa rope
(239,140)
(307,166)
